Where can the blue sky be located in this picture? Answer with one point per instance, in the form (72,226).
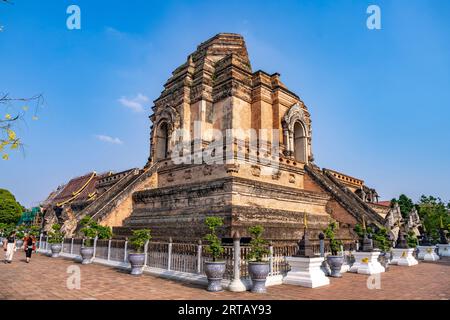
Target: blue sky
(379,99)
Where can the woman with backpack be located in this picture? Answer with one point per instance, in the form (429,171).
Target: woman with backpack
(29,245)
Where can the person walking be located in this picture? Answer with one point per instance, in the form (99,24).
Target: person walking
(29,246)
(10,246)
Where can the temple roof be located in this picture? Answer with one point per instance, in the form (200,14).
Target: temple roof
(82,188)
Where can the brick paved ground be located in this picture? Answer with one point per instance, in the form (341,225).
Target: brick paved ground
(45,278)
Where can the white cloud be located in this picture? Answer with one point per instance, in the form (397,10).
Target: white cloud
(114,32)
(136,104)
(108,139)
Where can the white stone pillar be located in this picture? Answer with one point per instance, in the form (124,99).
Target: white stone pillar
(199,257)
(270,259)
(40,241)
(236,284)
(146,252)
(169,255)
(125,247)
(95,247)
(109,250)
(71,246)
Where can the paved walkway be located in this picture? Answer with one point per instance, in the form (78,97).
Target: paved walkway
(46,278)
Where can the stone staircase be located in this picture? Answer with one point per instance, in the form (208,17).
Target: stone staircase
(347,199)
(113,197)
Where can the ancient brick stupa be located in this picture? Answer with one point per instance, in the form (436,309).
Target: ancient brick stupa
(263,172)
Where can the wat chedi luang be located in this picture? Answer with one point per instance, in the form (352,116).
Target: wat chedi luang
(225,141)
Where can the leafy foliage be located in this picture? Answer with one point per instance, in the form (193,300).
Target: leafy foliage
(6,229)
(92,229)
(258,245)
(381,240)
(380,236)
(89,231)
(335,245)
(12,110)
(10,209)
(21,231)
(412,240)
(214,246)
(431,211)
(55,236)
(34,231)
(406,205)
(139,238)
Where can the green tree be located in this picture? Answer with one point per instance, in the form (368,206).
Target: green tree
(406,205)
(432,211)
(10,209)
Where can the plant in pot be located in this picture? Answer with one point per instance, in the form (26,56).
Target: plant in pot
(382,242)
(89,232)
(55,238)
(34,231)
(137,258)
(334,260)
(258,267)
(214,269)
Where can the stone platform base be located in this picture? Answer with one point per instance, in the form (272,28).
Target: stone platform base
(427,253)
(403,257)
(306,272)
(444,250)
(366,263)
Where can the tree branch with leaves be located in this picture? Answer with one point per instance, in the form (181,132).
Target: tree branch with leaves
(13,110)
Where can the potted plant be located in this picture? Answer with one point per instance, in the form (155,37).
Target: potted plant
(257,267)
(34,231)
(334,260)
(89,231)
(382,242)
(55,238)
(214,269)
(138,240)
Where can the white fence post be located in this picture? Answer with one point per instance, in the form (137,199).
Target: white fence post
(199,257)
(169,259)
(271,258)
(125,251)
(40,241)
(146,252)
(322,244)
(236,284)
(82,242)
(71,246)
(62,245)
(95,247)
(46,243)
(109,249)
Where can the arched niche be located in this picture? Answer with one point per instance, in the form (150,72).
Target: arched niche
(296,134)
(300,143)
(162,141)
